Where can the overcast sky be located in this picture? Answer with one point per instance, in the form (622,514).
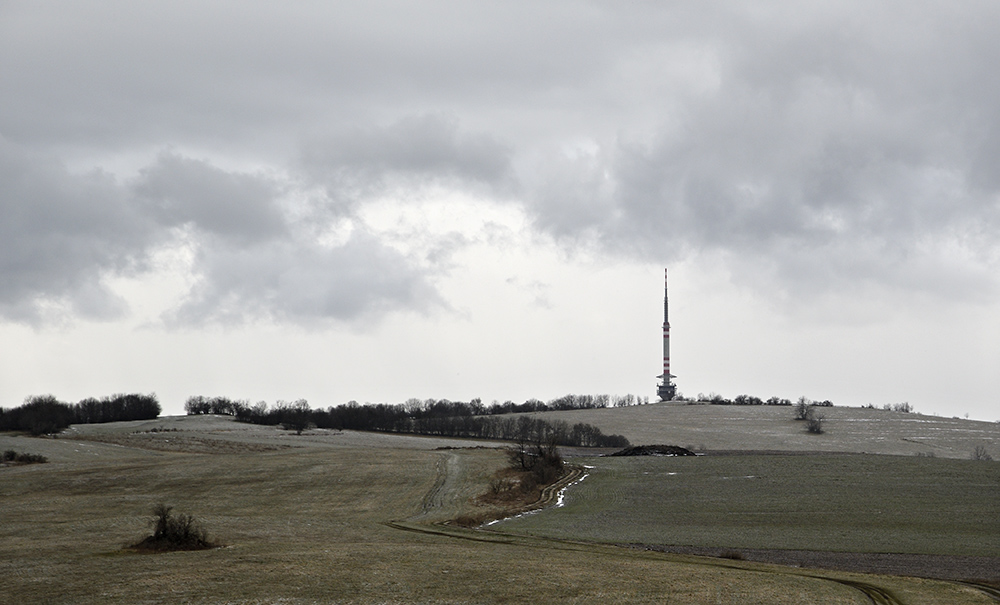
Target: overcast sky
(384,200)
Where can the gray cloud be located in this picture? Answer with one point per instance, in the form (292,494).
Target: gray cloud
(182,191)
(831,150)
(62,234)
(59,233)
(413,152)
(294,282)
(809,144)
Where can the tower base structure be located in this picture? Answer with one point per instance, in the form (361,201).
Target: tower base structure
(666,390)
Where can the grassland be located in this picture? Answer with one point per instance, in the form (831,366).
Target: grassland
(310,520)
(849,503)
(736,427)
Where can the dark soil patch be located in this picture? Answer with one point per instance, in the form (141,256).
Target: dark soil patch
(938,567)
(654,450)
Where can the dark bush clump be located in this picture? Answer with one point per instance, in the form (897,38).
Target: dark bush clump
(654,450)
(980,453)
(815,425)
(12,457)
(174,532)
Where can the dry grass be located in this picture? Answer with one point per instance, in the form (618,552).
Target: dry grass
(857,430)
(845,503)
(312,524)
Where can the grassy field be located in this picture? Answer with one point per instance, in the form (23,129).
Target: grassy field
(851,503)
(308,520)
(736,427)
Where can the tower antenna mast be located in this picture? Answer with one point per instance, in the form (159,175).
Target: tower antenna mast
(666,389)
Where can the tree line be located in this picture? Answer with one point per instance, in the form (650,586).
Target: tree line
(430,407)
(44,414)
(441,418)
(716,399)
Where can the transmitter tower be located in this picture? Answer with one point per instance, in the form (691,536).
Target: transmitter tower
(666,389)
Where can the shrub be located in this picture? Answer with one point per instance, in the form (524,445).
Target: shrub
(12,457)
(980,453)
(803,409)
(174,532)
(814,424)
(501,485)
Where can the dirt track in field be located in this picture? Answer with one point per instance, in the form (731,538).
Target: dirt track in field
(447,466)
(211,435)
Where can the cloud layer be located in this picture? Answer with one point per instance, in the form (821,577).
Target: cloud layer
(813,149)
(64,234)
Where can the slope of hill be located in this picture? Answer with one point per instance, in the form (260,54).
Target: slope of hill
(772,428)
(311,518)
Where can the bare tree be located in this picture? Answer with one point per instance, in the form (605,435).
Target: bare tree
(803,411)
(814,424)
(980,453)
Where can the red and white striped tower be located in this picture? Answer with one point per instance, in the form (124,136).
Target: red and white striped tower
(666,389)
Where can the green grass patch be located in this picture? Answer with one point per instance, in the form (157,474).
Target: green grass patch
(851,503)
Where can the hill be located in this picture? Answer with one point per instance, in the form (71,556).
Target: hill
(772,428)
(332,516)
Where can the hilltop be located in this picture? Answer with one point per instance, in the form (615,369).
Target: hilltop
(357,515)
(772,428)
(712,428)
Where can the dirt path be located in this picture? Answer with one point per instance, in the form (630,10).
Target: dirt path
(440,499)
(442,494)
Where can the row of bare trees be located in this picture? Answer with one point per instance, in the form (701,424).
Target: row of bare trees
(716,399)
(44,414)
(441,418)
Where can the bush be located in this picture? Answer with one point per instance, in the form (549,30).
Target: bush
(12,457)
(980,453)
(174,532)
(803,409)
(815,424)
(536,466)
(502,485)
